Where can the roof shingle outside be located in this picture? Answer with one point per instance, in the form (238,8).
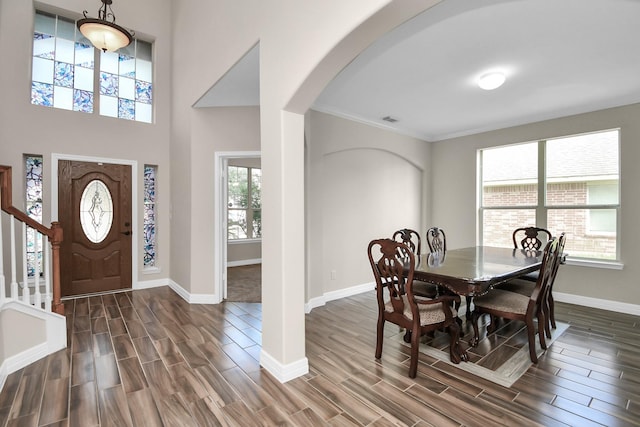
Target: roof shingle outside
(590,155)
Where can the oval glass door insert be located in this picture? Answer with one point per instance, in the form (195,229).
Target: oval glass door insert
(96,211)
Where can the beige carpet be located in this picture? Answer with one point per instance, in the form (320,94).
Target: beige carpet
(244,283)
(502,357)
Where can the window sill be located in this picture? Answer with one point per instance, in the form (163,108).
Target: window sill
(610,265)
(241,241)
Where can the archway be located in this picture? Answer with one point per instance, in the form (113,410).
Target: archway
(282,136)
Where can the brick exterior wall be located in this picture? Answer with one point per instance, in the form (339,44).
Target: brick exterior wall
(498,225)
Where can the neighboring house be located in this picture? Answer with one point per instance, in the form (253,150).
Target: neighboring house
(321,190)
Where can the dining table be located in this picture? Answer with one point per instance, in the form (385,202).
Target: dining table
(473,271)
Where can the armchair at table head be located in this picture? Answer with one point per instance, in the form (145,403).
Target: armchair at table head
(437,241)
(525,284)
(530,238)
(393,266)
(411,239)
(526,308)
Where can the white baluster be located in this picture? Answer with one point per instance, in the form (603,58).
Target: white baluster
(3,291)
(38,297)
(47,275)
(25,273)
(14,283)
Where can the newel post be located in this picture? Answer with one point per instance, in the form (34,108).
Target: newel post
(56,240)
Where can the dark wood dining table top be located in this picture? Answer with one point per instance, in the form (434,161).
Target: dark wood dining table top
(473,271)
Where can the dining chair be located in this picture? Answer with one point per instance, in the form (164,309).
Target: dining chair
(530,238)
(411,239)
(525,287)
(515,306)
(437,241)
(393,266)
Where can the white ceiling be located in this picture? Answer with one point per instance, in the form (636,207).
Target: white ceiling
(561,57)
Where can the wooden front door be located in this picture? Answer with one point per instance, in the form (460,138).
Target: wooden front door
(94,209)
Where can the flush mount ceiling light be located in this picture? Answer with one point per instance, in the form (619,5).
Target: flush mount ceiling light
(103,32)
(492,80)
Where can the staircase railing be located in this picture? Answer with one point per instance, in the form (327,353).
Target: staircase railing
(50,263)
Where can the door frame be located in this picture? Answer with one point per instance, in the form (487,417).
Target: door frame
(220,214)
(55,157)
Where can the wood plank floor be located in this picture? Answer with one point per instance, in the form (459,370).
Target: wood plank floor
(147,358)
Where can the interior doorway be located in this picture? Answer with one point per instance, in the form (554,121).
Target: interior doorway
(238,242)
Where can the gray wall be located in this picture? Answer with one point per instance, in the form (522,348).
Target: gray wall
(13,340)
(363,183)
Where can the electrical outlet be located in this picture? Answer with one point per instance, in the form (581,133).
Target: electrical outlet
(333,275)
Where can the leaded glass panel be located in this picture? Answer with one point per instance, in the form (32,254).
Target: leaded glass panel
(127,88)
(57,48)
(126,109)
(144,112)
(63,75)
(149,226)
(83,101)
(122,79)
(108,84)
(108,106)
(43,70)
(44,46)
(143,92)
(62,97)
(96,211)
(33,204)
(42,94)
(84,54)
(83,79)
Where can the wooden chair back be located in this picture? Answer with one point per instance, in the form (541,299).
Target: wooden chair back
(437,241)
(410,238)
(393,271)
(530,238)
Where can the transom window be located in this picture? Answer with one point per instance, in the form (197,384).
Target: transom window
(67,69)
(244,203)
(569,184)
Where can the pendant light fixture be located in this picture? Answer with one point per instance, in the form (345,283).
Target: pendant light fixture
(103,32)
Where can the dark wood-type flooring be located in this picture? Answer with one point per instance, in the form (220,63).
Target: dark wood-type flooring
(147,358)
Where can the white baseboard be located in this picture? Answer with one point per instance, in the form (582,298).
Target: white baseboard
(284,373)
(341,293)
(55,339)
(193,298)
(244,262)
(156,283)
(20,360)
(617,306)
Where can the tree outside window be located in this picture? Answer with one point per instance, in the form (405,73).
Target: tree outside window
(244,203)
